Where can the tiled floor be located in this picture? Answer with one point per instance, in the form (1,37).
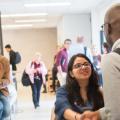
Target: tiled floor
(26,110)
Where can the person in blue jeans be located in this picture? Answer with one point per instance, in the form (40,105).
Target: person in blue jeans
(4,93)
(37,71)
(36,87)
(81,93)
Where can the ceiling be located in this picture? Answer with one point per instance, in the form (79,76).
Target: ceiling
(53,11)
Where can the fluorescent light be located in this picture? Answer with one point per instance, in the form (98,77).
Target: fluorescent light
(24,15)
(30,21)
(48,4)
(16,26)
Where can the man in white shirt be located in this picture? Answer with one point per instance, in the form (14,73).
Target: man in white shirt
(79,47)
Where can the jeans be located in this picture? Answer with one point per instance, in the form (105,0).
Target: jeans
(36,87)
(4,107)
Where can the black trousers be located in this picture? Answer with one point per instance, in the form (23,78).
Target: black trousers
(54,76)
(36,87)
(14,79)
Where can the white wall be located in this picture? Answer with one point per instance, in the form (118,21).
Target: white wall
(30,41)
(60,31)
(73,25)
(97,19)
(105,7)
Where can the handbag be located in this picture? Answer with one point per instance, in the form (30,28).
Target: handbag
(25,79)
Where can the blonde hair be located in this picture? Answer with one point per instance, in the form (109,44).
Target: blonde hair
(37,55)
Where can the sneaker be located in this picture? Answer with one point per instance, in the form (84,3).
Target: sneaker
(37,108)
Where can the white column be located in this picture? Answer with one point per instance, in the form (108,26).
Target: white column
(95,24)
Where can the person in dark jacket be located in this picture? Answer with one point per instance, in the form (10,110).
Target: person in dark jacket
(12,58)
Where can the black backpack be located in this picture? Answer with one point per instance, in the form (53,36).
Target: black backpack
(17,58)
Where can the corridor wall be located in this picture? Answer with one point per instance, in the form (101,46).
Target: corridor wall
(30,41)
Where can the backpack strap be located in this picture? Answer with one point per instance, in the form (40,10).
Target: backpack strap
(85,50)
(117,50)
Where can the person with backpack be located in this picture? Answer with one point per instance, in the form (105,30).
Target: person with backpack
(14,58)
(36,71)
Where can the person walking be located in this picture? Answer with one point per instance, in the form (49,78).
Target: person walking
(37,71)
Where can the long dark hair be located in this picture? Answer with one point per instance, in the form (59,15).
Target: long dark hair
(93,93)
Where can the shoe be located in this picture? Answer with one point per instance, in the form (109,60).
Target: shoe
(37,106)
(37,109)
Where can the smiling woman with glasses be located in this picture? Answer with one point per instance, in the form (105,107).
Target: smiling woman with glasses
(81,92)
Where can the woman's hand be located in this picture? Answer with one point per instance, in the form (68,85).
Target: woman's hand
(90,115)
(86,119)
(77,116)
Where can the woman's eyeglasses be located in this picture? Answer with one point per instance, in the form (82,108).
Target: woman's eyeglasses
(79,65)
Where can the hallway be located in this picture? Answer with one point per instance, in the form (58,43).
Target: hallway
(26,110)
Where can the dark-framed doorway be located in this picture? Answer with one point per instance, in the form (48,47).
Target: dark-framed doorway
(102,40)
(1,41)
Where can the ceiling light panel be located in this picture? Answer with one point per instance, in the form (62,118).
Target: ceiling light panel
(50,4)
(24,15)
(16,26)
(31,21)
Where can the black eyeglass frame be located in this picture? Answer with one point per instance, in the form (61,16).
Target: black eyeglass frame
(102,26)
(79,65)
